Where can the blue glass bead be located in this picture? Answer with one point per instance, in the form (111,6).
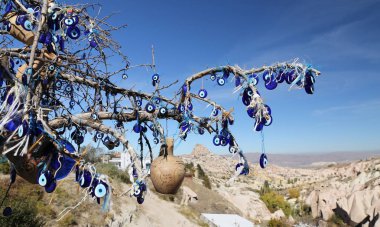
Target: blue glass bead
(150,108)
(73,32)
(263,160)
(202,93)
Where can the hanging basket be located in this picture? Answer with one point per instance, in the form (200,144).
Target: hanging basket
(167,171)
(18,32)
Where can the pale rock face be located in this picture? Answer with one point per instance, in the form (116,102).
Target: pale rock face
(200,150)
(356,190)
(278,214)
(354,187)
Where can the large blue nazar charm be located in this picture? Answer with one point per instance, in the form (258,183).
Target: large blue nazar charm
(45,178)
(73,32)
(101,189)
(263,161)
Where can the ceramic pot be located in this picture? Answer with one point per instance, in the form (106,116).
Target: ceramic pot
(167,171)
(17,31)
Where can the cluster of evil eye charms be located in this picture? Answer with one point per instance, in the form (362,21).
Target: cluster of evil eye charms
(273,78)
(98,187)
(223,139)
(139,189)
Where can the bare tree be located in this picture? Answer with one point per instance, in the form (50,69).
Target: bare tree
(55,81)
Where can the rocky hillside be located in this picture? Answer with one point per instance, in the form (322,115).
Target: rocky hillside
(348,192)
(324,196)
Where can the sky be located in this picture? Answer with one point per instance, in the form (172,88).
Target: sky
(340,38)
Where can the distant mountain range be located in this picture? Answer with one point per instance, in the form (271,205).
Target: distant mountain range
(315,159)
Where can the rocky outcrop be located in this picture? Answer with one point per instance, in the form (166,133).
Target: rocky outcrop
(354,195)
(200,150)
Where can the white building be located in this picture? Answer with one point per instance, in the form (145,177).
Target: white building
(122,161)
(226,220)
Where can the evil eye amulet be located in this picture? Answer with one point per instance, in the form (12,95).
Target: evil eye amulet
(163,111)
(138,103)
(221,81)
(280,77)
(254,79)
(45,178)
(233,149)
(309,78)
(212,77)
(251,112)
(94,116)
(181,108)
(216,140)
(140,200)
(269,110)
(73,32)
(100,189)
(155,77)
(215,112)
(271,84)
(290,77)
(72,103)
(202,93)
(156,140)
(7,212)
(150,108)
(23,129)
(309,89)
(71,21)
(85,179)
(137,128)
(267,76)
(237,81)
(201,131)
(190,106)
(223,142)
(263,161)
(99,135)
(259,126)
(268,120)
(124,76)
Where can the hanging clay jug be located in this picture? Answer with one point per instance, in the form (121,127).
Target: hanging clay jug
(17,31)
(167,171)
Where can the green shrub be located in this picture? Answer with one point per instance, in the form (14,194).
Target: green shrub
(25,212)
(189,168)
(294,193)
(4,168)
(113,172)
(275,201)
(337,220)
(277,223)
(202,175)
(265,188)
